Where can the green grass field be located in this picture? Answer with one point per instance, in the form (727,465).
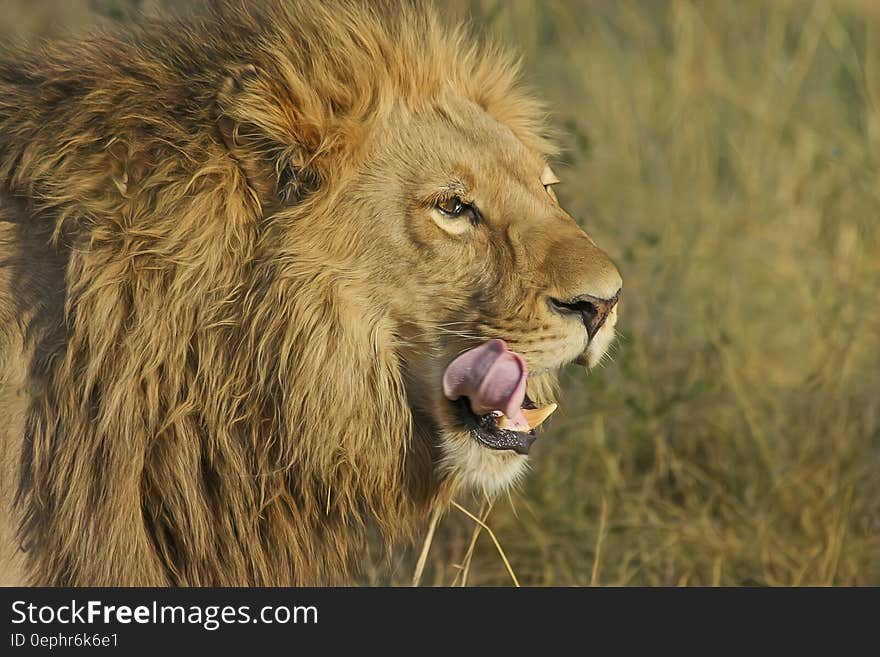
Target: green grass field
(727,155)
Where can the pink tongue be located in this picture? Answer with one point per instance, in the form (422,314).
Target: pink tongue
(491,376)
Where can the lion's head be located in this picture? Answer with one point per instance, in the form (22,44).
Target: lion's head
(475,247)
(316,265)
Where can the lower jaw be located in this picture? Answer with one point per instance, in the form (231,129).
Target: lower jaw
(488,435)
(509,441)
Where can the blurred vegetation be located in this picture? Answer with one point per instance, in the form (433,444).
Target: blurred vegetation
(727,154)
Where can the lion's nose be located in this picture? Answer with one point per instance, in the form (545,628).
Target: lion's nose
(593,311)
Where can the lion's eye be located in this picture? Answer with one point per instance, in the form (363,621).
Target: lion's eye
(455,215)
(453,206)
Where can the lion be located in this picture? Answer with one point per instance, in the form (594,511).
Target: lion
(273,278)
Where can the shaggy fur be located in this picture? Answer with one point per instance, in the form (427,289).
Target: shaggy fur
(221,325)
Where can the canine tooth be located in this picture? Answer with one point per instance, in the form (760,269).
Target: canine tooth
(534,417)
(505,422)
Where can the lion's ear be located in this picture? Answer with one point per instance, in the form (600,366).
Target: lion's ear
(259,125)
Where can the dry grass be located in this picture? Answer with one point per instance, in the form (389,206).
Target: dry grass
(726,153)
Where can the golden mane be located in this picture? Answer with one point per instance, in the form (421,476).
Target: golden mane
(214,398)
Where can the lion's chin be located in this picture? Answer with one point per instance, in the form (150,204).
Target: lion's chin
(478,468)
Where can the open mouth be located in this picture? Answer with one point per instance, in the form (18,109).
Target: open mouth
(487,386)
(489,428)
